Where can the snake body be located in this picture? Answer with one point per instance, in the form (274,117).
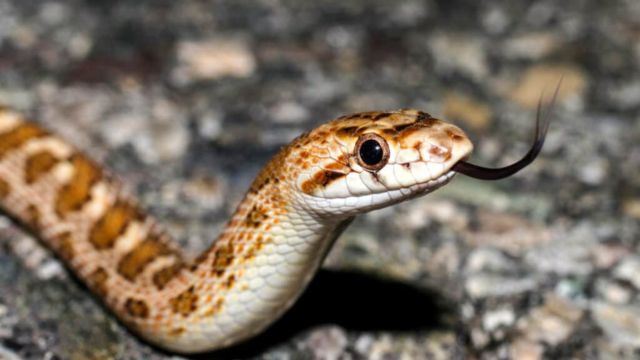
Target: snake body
(267,253)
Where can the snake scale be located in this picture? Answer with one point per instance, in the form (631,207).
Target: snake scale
(271,247)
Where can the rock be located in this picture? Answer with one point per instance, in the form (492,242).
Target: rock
(526,350)
(472,112)
(494,319)
(326,343)
(544,78)
(509,232)
(621,324)
(631,207)
(531,46)
(211,59)
(612,292)
(629,270)
(289,112)
(459,53)
(480,286)
(552,323)
(595,172)
(488,259)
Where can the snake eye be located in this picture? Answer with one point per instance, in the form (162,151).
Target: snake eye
(372,152)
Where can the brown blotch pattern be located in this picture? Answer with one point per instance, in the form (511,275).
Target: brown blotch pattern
(134,262)
(320,179)
(4,189)
(163,276)
(222,258)
(256,216)
(39,164)
(423,116)
(177,331)
(217,306)
(185,303)
(230,281)
(64,245)
(16,137)
(113,224)
(76,193)
(32,216)
(98,279)
(380,116)
(137,308)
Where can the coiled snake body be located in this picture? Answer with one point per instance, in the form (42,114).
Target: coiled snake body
(269,250)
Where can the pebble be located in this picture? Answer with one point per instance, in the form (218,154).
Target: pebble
(494,319)
(530,46)
(480,286)
(526,350)
(544,78)
(289,112)
(629,270)
(210,125)
(508,232)
(612,292)
(551,323)
(210,59)
(488,259)
(459,53)
(631,207)
(476,114)
(326,343)
(621,324)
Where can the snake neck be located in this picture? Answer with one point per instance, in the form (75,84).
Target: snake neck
(249,276)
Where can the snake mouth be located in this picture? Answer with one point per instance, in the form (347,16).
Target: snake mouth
(542,125)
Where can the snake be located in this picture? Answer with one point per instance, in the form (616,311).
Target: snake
(271,247)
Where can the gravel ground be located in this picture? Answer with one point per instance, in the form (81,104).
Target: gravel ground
(187,99)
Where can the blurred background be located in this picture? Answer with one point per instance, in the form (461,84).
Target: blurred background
(186,100)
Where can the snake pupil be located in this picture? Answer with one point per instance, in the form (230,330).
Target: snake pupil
(371,152)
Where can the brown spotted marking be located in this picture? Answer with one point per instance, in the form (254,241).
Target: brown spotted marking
(230,282)
(134,262)
(177,331)
(137,308)
(256,216)
(399,128)
(320,180)
(113,224)
(256,246)
(98,279)
(217,306)
(223,257)
(381,116)
(423,116)
(347,131)
(78,191)
(32,216)
(4,189)
(18,136)
(39,164)
(163,276)
(64,244)
(185,303)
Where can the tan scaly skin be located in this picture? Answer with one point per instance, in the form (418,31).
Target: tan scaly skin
(271,247)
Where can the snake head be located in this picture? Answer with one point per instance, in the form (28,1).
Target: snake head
(369,160)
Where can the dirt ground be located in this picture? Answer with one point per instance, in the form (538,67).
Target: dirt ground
(185,100)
